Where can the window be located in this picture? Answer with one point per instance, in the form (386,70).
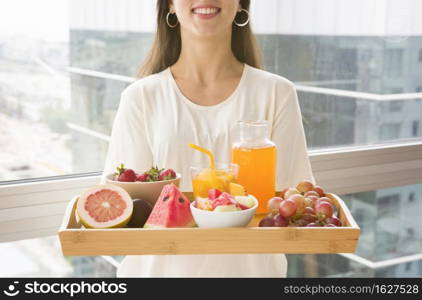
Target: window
(411,197)
(396,90)
(387,216)
(61,80)
(415,128)
(389,205)
(62,70)
(42,257)
(395,106)
(390,131)
(393,62)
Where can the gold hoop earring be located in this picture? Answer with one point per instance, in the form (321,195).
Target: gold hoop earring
(168,22)
(247,20)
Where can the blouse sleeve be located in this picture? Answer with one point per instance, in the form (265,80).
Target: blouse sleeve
(129,141)
(288,134)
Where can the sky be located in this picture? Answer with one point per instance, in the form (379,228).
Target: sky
(40,19)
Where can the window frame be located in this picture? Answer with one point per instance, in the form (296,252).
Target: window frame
(41,202)
(35,208)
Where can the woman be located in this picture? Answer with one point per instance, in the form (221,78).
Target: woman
(201,77)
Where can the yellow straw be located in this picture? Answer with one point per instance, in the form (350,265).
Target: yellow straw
(205,151)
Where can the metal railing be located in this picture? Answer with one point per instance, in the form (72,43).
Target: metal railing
(299,87)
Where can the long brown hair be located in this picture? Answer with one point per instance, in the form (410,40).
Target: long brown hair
(167,44)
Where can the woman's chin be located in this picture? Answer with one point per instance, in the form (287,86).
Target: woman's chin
(209,30)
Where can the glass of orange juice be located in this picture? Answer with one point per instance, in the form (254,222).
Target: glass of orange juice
(256,156)
(205,178)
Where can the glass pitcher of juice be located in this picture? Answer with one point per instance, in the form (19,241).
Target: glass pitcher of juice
(256,156)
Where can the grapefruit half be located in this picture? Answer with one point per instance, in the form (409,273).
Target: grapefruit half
(104,206)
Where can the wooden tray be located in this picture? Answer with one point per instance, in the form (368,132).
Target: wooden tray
(76,240)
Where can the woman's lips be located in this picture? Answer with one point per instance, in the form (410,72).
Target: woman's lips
(206,12)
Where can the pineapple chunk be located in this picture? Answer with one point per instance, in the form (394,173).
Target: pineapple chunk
(237,189)
(203,203)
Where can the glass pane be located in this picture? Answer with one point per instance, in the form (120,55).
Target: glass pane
(35,95)
(43,258)
(389,223)
(55,120)
(94,105)
(332,265)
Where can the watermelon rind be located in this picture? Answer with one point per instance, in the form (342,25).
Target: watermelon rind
(190,224)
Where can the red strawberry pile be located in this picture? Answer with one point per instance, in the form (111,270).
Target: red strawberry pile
(154,174)
(306,205)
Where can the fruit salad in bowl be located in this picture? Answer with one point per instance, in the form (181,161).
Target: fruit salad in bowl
(221,209)
(146,185)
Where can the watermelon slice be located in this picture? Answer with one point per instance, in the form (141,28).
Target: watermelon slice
(172,209)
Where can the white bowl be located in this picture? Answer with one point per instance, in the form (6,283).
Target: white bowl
(148,190)
(213,219)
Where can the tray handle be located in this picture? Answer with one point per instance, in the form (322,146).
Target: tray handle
(69,218)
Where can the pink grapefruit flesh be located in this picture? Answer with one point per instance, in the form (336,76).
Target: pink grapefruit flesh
(105,206)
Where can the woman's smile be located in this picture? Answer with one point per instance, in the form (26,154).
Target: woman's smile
(206,12)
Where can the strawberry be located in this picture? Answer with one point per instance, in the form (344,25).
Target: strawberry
(126,175)
(214,194)
(142,177)
(167,174)
(153,174)
(241,206)
(223,199)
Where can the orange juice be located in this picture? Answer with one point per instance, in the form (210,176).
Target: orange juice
(257,172)
(207,178)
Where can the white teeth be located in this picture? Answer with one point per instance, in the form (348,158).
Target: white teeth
(205,11)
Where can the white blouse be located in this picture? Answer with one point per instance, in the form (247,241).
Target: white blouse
(155,123)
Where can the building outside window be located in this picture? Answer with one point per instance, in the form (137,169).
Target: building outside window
(415,128)
(390,131)
(60,85)
(393,62)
